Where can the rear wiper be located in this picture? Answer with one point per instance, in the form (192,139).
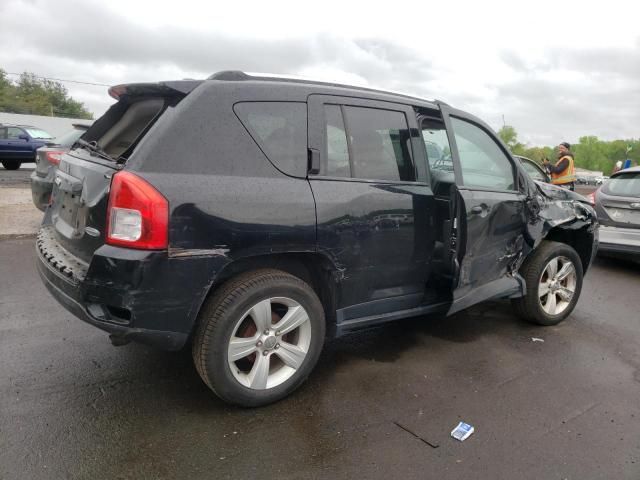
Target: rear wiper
(94,148)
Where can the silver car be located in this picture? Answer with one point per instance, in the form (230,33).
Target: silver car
(618,207)
(47,160)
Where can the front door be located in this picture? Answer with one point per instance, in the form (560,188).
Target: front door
(490,219)
(373,202)
(17,147)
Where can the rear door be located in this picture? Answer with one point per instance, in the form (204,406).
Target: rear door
(373,202)
(490,216)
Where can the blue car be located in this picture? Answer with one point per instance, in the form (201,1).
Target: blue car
(18,144)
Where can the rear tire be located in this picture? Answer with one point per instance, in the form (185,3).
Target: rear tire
(259,337)
(553,275)
(11,164)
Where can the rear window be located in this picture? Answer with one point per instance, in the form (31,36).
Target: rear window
(69,138)
(280,129)
(130,126)
(624,185)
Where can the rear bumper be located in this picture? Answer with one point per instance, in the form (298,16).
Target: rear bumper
(619,240)
(141,296)
(160,339)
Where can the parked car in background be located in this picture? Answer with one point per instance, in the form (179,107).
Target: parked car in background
(307,209)
(617,203)
(601,180)
(18,144)
(533,169)
(47,161)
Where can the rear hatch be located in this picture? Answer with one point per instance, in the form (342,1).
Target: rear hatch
(77,217)
(618,201)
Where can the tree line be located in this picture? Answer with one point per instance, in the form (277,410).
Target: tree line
(590,152)
(37,96)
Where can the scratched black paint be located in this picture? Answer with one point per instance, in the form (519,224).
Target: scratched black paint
(373,250)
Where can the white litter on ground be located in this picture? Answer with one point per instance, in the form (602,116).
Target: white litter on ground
(534,339)
(462,431)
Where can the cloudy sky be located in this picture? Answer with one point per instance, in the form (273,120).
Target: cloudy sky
(555,70)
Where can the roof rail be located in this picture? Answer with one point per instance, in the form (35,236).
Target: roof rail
(238,75)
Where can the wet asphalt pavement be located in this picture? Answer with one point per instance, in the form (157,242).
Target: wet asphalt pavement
(380,404)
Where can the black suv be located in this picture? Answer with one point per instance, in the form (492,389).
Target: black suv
(252,216)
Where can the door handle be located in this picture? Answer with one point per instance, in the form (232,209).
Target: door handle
(479,209)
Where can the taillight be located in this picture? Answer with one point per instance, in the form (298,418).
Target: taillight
(137,215)
(54,157)
(592,197)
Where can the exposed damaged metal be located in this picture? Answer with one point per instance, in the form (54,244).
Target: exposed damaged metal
(562,210)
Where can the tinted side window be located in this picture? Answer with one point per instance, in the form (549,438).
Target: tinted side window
(280,129)
(336,143)
(380,144)
(3,132)
(483,162)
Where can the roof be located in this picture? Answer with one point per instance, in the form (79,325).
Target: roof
(238,75)
(16,125)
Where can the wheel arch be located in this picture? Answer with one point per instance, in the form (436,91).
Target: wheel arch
(580,239)
(315,269)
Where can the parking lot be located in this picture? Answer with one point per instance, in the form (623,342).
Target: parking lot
(557,402)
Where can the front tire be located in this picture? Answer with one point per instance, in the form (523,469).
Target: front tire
(553,275)
(259,337)
(11,164)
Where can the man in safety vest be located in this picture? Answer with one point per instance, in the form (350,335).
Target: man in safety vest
(563,173)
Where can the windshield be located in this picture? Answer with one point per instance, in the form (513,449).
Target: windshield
(37,133)
(69,138)
(625,185)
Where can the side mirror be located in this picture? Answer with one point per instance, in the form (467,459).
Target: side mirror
(24,137)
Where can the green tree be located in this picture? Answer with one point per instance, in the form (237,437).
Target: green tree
(539,153)
(590,152)
(509,136)
(33,95)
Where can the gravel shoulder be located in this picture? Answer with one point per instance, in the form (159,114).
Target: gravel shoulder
(19,218)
